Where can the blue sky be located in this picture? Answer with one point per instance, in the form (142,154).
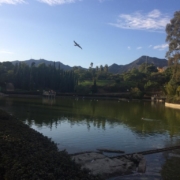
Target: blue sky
(109,31)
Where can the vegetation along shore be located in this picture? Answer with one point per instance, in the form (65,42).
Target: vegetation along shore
(27,154)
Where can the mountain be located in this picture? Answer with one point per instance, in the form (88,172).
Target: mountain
(114,68)
(40,61)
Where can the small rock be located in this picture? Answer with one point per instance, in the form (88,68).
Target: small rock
(142,166)
(136,158)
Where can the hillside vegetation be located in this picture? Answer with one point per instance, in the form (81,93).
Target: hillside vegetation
(113,68)
(145,79)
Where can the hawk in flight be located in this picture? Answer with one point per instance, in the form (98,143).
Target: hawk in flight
(76,44)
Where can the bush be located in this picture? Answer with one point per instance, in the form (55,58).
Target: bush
(136,93)
(171,87)
(173,99)
(27,154)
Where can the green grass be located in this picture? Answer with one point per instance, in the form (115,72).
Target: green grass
(98,82)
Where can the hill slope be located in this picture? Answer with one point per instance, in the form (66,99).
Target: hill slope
(114,68)
(40,61)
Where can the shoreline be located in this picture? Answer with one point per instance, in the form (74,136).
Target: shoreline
(27,154)
(107,96)
(172,105)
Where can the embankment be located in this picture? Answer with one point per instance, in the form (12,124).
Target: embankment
(27,154)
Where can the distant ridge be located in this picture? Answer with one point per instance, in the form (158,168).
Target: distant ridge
(114,68)
(40,61)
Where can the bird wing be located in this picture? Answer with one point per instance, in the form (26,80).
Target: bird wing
(79,46)
(76,44)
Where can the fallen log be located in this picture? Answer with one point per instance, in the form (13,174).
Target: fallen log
(110,150)
(83,152)
(152,151)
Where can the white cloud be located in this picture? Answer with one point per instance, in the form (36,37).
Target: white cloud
(129,47)
(139,47)
(101,1)
(58,2)
(12,2)
(3,51)
(149,46)
(154,14)
(161,47)
(152,21)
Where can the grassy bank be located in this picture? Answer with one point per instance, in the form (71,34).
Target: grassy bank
(27,154)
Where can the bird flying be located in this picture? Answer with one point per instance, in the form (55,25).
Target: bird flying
(76,44)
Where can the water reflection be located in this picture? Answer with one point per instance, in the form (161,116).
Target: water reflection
(49,101)
(156,117)
(122,119)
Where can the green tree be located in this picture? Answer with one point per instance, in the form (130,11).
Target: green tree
(106,68)
(171,87)
(147,68)
(173,38)
(173,53)
(97,68)
(151,86)
(91,65)
(101,68)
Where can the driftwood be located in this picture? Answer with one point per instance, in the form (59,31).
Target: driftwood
(110,150)
(159,150)
(152,151)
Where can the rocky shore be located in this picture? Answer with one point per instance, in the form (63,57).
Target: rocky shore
(99,164)
(27,154)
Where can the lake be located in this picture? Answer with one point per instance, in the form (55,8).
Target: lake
(80,124)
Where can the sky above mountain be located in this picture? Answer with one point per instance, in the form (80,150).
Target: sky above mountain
(109,31)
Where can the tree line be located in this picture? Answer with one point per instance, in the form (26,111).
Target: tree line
(42,77)
(145,78)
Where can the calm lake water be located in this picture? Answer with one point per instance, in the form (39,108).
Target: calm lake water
(88,124)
